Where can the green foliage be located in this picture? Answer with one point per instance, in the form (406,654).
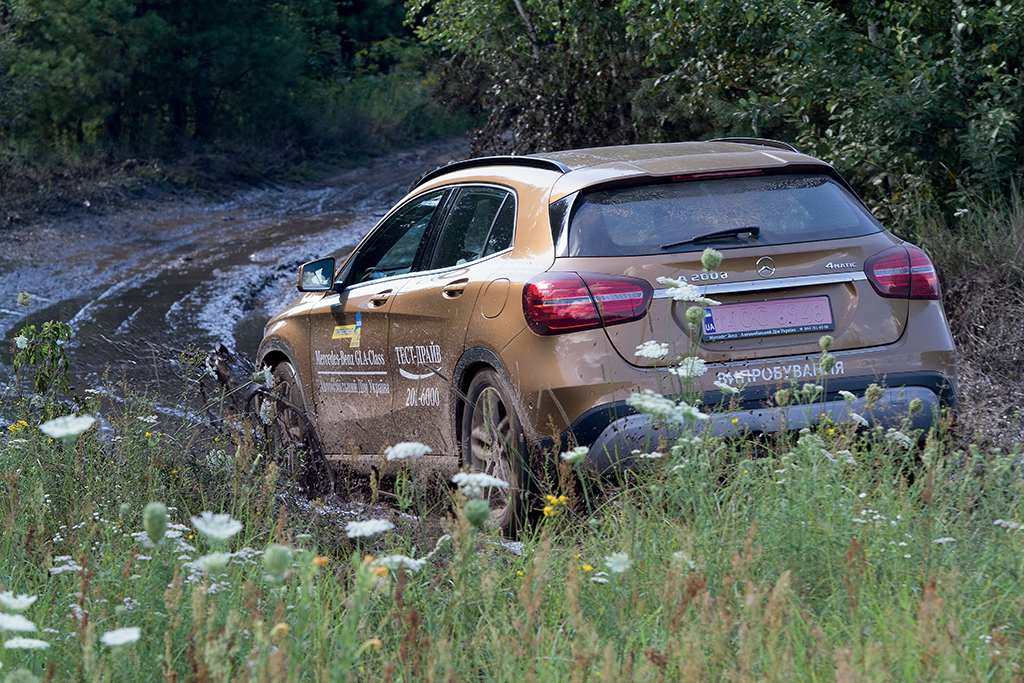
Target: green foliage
(127,72)
(43,351)
(899,95)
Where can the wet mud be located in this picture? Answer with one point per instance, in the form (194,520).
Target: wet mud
(141,285)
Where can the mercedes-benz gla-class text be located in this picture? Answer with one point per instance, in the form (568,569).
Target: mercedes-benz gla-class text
(494,314)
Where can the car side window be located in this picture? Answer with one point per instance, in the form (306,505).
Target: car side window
(480,222)
(392,248)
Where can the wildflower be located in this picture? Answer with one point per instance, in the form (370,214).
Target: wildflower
(958,213)
(1012,526)
(67,427)
(575,455)
(782,397)
(214,563)
(477,512)
(684,291)
(690,366)
(825,343)
(651,456)
(652,349)
(663,409)
(320,561)
(473,484)
(617,563)
(21,341)
(25,299)
(859,419)
(406,449)
(268,411)
(551,509)
(15,622)
(276,560)
(264,378)
(711,259)
(681,559)
(899,437)
(21,676)
(726,388)
(26,644)
(16,604)
(828,361)
(944,540)
(600,577)
(586,568)
(915,406)
(370,527)
(694,315)
(121,636)
(216,527)
(873,394)
(149,419)
(393,562)
(847,396)
(154,521)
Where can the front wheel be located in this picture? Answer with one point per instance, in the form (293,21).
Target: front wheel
(293,439)
(493,443)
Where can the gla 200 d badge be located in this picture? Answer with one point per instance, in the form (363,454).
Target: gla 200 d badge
(486,313)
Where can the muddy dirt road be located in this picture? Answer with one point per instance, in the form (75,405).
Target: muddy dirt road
(142,283)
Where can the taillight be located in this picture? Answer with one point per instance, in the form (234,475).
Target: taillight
(570,302)
(903,272)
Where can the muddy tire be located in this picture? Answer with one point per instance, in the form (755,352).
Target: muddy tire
(293,440)
(493,442)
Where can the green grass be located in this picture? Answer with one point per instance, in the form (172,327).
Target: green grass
(816,559)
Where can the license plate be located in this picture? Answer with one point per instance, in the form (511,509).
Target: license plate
(768,318)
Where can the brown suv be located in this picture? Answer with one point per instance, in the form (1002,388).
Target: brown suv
(497,310)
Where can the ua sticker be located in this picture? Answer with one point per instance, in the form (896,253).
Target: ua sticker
(350,332)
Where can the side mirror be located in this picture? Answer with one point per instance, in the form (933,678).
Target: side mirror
(316,276)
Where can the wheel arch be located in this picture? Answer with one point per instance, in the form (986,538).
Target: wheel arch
(272,353)
(469,365)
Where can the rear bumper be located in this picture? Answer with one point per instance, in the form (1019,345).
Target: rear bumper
(613,431)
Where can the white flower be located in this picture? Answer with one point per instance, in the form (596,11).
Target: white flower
(406,449)
(680,559)
(663,409)
(726,389)
(618,562)
(1006,524)
(652,349)
(393,562)
(214,563)
(859,419)
(218,527)
(944,540)
(68,426)
(21,341)
(576,454)
(474,483)
(847,396)
(688,412)
(600,577)
(652,456)
(16,604)
(149,419)
(961,212)
(899,437)
(15,622)
(121,636)
(26,644)
(691,366)
(370,527)
(684,291)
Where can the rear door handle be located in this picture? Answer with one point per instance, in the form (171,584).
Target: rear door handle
(379,299)
(454,289)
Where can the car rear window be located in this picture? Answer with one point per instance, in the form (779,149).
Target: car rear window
(720,212)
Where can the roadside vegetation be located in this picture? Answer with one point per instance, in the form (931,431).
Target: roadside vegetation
(140,546)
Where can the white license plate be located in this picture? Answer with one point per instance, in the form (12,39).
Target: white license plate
(767,318)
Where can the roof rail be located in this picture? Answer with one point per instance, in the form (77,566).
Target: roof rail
(764,142)
(503,160)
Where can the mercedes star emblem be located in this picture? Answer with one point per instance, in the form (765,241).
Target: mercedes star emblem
(765,266)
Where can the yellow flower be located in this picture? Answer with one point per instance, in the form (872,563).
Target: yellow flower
(831,431)
(519,573)
(320,561)
(746,471)
(586,568)
(735,420)
(148,434)
(380,571)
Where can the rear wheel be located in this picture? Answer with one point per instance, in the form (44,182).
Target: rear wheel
(493,443)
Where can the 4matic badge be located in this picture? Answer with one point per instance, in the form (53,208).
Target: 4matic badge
(840,265)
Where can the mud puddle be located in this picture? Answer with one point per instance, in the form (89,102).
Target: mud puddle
(140,286)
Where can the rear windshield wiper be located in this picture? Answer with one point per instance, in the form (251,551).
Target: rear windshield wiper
(745,232)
